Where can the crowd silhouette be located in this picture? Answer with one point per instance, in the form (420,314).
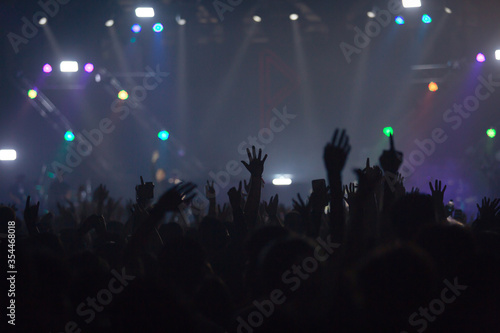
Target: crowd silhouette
(370,256)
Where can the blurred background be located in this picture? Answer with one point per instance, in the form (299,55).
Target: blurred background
(106,91)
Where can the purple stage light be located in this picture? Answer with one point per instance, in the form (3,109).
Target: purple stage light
(89,68)
(47,68)
(480,57)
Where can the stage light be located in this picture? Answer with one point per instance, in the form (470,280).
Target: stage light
(144,12)
(282,181)
(491,133)
(123,95)
(163,135)
(180,20)
(257,18)
(97,78)
(158,27)
(411,3)
(480,57)
(89,68)
(109,23)
(294,17)
(426,19)
(32,94)
(497,54)
(136,28)
(69,66)
(388,131)
(47,68)
(448,10)
(42,21)
(69,136)
(370,14)
(399,20)
(433,86)
(8,155)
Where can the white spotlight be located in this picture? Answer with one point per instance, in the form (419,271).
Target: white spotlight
(180,20)
(8,155)
(282,181)
(370,14)
(497,54)
(257,18)
(448,10)
(294,17)
(412,3)
(144,12)
(42,21)
(69,66)
(109,23)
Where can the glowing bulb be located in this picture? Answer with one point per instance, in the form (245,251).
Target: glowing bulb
(32,93)
(69,136)
(123,95)
(388,131)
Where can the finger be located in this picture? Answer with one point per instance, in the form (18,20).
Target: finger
(368,163)
(27,202)
(260,154)
(346,144)
(239,187)
(37,205)
(142,182)
(301,201)
(253,152)
(342,138)
(264,159)
(391,142)
(245,164)
(430,186)
(335,136)
(444,189)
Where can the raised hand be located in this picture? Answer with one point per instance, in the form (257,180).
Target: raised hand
(391,160)
(399,186)
(246,186)
(222,213)
(210,190)
(210,195)
(414,190)
(255,163)
(272,207)
(437,191)
(100,194)
(373,174)
(31,215)
(302,208)
(488,209)
(336,152)
(350,192)
(180,194)
(235,196)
